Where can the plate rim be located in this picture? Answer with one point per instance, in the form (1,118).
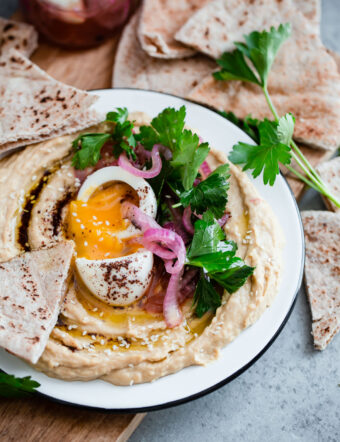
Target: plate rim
(230,378)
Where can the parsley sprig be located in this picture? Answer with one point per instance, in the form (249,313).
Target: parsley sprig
(216,256)
(13,387)
(87,147)
(251,62)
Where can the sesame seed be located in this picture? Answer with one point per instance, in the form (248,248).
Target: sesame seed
(101,314)
(107,223)
(107,254)
(84,205)
(82,226)
(84,333)
(131,365)
(101,239)
(78,220)
(93,337)
(86,243)
(74,213)
(95,309)
(102,342)
(99,223)
(131,382)
(94,217)
(34,177)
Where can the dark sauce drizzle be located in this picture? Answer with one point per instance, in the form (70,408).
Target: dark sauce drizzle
(31,198)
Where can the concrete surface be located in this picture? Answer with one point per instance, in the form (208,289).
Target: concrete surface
(291,393)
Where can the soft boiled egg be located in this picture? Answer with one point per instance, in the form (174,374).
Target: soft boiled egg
(113,266)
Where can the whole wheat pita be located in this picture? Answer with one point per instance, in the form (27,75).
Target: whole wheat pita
(322,273)
(159,21)
(304,79)
(36,107)
(33,286)
(19,36)
(330,173)
(134,68)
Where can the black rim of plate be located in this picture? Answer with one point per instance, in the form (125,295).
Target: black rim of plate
(242,369)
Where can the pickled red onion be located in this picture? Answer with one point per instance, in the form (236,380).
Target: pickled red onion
(187,220)
(205,169)
(171,309)
(124,162)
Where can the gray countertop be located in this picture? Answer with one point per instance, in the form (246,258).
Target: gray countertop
(291,393)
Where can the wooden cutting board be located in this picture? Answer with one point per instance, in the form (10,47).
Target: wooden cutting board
(38,419)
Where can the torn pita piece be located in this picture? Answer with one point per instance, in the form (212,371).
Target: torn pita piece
(134,68)
(159,21)
(32,289)
(330,174)
(19,36)
(322,273)
(35,107)
(304,79)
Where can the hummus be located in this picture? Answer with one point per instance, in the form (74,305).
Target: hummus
(129,345)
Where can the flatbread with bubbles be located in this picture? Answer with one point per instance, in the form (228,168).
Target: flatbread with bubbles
(33,286)
(35,107)
(322,273)
(19,36)
(160,20)
(134,68)
(304,79)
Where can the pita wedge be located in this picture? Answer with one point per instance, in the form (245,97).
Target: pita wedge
(35,107)
(19,36)
(134,68)
(330,173)
(32,289)
(160,20)
(304,79)
(214,28)
(322,273)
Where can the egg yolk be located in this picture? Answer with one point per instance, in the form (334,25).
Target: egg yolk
(95,225)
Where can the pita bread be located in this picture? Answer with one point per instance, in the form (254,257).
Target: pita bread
(330,173)
(33,286)
(160,20)
(304,79)
(322,273)
(134,68)
(214,28)
(35,107)
(311,9)
(19,36)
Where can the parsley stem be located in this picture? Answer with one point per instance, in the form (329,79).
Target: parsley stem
(301,177)
(270,103)
(175,206)
(314,181)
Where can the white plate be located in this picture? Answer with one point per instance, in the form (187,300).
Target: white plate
(195,381)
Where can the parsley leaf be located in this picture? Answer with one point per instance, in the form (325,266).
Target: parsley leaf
(235,67)
(211,252)
(88,147)
(165,129)
(249,125)
(123,133)
(205,298)
(210,194)
(188,157)
(13,387)
(118,116)
(260,48)
(267,155)
(208,237)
